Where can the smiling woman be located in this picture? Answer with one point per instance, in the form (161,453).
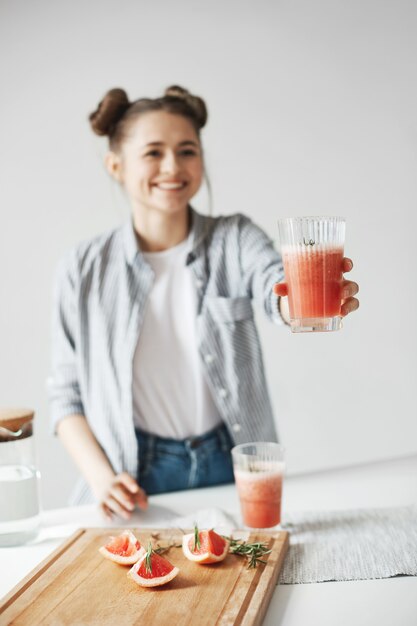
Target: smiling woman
(156,154)
(157,367)
(160,167)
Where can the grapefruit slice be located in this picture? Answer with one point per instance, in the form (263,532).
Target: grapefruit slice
(152,570)
(205,546)
(124,549)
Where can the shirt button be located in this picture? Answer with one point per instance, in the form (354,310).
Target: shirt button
(222,393)
(209,358)
(237,427)
(199,283)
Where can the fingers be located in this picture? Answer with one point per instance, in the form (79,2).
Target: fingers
(141,499)
(110,506)
(347,264)
(280,289)
(122,496)
(108,514)
(350,305)
(120,501)
(139,495)
(349,289)
(128,482)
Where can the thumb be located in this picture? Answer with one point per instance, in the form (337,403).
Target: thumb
(280,289)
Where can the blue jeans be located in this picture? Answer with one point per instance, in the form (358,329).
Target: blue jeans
(173,465)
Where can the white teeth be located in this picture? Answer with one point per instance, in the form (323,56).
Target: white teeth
(170,185)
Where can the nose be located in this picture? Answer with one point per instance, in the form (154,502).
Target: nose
(169,164)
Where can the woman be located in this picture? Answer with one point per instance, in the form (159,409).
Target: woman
(157,366)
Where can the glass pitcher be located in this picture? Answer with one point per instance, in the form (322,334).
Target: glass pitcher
(19,478)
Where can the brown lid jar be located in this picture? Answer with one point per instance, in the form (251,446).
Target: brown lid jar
(15,424)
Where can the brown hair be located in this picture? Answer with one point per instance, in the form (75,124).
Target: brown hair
(115,113)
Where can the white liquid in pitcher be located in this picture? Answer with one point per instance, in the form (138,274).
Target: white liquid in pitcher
(19,504)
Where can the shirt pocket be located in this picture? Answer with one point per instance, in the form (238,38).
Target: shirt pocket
(229,309)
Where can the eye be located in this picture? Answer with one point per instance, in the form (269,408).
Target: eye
(188,152)
(153,153)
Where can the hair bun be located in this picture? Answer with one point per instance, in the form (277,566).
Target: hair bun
(195,103)
(109,111)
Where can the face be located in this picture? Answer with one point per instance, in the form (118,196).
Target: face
(160,163)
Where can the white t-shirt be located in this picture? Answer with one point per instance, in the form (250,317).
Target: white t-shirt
(170,395)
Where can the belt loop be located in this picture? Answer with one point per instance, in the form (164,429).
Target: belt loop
(223,439)
(150,450)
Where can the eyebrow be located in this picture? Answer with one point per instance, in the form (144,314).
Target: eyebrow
(182,143)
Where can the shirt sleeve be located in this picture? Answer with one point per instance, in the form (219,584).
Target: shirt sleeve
(261,268)
(63,384)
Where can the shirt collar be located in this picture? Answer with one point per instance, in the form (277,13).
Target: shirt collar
(130,242)
(201,225)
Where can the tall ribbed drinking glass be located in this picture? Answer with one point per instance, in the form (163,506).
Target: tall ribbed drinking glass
(312,252)
(259,469)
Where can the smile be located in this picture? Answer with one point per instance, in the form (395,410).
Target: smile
(170,186)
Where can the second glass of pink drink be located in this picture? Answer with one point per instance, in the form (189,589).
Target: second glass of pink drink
(312,252)
(259,470)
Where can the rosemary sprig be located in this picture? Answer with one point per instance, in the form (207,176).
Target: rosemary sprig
(161,549)
(251,551)
(148,562)
(197,544)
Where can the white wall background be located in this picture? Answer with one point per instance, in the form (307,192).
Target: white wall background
(312,109)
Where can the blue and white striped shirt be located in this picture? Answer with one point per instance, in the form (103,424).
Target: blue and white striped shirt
(99,302)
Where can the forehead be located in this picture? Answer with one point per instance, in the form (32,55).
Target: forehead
(161,126)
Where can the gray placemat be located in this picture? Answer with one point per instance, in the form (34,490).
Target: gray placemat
(350,545)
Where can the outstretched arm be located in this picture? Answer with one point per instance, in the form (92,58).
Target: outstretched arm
(261,268)
(116,493)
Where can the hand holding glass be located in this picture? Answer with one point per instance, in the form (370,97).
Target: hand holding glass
(312,252)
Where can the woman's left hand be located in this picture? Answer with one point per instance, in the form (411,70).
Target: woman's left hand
(349,290)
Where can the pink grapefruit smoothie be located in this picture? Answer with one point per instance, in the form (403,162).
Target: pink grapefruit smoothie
(314,278)
(260,497)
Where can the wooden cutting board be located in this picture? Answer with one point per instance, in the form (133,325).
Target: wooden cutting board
(75,585)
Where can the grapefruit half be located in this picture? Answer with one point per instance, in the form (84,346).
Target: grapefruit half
(209,548)
(152,570)
(124,549)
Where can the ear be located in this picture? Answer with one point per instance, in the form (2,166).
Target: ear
(113,164)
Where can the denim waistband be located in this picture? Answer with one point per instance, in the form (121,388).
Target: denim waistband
(218,435)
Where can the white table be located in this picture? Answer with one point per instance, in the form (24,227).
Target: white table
(387,602)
